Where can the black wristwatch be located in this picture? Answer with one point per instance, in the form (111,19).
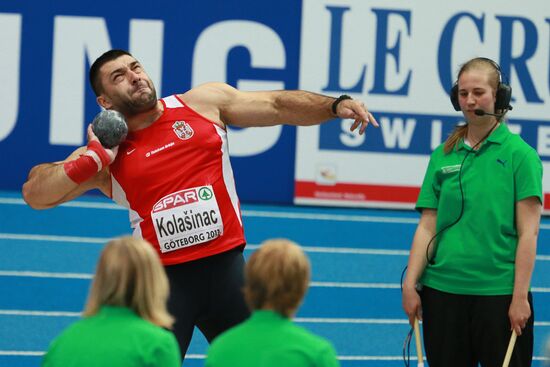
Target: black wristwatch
(337,101)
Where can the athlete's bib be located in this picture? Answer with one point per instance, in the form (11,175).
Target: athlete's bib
(186,218)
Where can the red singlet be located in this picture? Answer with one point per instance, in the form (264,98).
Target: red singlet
(176,180)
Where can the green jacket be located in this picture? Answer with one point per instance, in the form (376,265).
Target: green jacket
(114,337)
(268,339)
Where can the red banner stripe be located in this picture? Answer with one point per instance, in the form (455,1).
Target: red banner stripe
(356,192)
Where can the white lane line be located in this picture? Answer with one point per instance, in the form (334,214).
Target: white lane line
(52,238)
(70,204)
(39,313)
(332,250)
(249,247)
(245,213)
(12,201)
(387,286)
(400,358)
(24,353)
(203,356)
(345,250)
(331,217)
(355,285)
(256,213)
(374,358)
(303,320)
(42,274)
(330,320)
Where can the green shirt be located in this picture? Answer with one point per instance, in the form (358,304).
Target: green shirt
(477,254)
(115,337)
(268,339)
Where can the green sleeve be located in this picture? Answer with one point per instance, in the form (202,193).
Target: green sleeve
(528,176)
(327,357)
(167,353)
(209,359)
(429,192)
(47,360)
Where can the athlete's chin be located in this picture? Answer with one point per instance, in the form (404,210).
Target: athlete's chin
(136,107)
(145,100)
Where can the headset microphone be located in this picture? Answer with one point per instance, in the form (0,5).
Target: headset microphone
(483,113)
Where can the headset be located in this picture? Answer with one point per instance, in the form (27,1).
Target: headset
(503,95)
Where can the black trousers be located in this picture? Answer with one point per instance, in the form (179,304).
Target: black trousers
(207,293)
(464,330)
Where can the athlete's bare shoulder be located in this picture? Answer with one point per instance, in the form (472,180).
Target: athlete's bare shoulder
(209,99)
(214,93)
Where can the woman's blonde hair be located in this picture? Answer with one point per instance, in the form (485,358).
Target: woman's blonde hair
(129,274)
(277,277)
(479,63)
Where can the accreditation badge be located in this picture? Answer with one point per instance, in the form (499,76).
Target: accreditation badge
(187,218)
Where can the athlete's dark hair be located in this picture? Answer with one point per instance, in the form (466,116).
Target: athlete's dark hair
(110,55)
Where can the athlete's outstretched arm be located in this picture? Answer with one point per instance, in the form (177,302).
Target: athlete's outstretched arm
(50,184)
(224,103)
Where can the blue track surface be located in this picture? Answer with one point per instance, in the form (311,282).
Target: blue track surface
(357,255)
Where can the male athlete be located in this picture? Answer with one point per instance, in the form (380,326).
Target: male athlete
(173,174)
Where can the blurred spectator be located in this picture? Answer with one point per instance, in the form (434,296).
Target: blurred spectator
(125,315)
(276,279)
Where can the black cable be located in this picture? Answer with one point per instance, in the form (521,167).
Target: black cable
(403,276)
(407,348)
(408,338)
(431,260)
(407,342)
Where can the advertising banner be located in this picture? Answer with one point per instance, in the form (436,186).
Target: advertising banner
(401,58)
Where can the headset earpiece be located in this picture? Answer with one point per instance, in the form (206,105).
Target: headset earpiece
(503,97)
(454,97)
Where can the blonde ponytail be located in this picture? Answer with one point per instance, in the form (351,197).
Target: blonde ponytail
(458,133)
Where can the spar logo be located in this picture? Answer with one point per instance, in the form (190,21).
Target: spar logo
(183,130)
(205,193)
(177,199)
